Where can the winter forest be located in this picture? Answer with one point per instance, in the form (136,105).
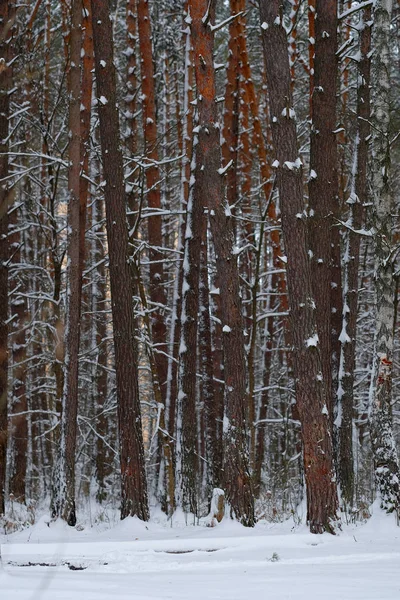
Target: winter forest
(199,260)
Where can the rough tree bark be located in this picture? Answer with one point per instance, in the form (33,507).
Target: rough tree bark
(383,443)
(323,189)
(237,480)
(322,499)
(133,477)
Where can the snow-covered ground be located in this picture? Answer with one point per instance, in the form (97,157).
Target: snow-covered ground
(153,561)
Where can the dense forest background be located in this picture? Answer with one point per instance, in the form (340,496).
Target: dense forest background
(199,267)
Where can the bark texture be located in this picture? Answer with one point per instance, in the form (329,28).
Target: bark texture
(210,184)
(133,477)
(323,188)
(322,499)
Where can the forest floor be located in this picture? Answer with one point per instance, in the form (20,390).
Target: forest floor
(153,561)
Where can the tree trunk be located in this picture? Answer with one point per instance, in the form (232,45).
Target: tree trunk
(310,388)
(211,187)
(210,410)
(63,501)
(186,151)
(383,443)
(18,424)
(133,477)
(323,187)
(356,201)
(5,85)
(187,462)
(157,283)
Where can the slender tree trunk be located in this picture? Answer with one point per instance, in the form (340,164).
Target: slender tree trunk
(133,476)
(157,283)
(5,85)
(310,389)
(132,83)
(230,130)
(186,151)
(383,443)
(99,308)
(187,462)
(210,184)
(311,48)
(212,465)
(86,112)
(63,501)
(356,201)
(164,439)
(18,424)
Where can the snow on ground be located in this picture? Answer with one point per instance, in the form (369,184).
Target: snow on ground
(153,561)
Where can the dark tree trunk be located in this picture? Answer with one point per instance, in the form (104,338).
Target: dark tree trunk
(63,501)
(210,183)
(310,389)
(6,14)
(323,190)
(133,477)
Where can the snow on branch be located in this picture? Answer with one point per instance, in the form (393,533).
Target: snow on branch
(222,24)
(356,7)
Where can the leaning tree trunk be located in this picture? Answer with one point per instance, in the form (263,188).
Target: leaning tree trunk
(383,443)
(63,501)
(322,499)
(209,184)
(133,477)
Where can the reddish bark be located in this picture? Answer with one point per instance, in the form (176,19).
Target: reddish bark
(232,103)
(236,468)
